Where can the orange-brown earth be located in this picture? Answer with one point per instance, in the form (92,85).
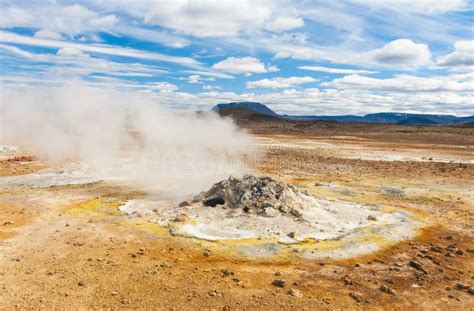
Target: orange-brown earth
(57,253)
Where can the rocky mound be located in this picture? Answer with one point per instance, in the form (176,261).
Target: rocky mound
(256,195)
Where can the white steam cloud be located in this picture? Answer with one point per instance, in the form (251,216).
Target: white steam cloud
(127,135)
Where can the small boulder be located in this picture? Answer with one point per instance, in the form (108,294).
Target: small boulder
(295,293)
(279,283)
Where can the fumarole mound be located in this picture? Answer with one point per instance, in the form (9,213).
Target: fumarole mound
(270,213)
(262,196)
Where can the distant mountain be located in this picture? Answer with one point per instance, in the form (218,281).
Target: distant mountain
(253,106)
(239,109)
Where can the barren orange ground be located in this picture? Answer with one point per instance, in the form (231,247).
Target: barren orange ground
(59,256)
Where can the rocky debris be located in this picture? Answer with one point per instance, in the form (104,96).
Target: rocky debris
(386,289)
(417,265)
(184,204)
(279,283)
(213,293)
(467,288)
(346,280)
(356,296)
(207,252)
(372,218)
(182,218)
(8,222)
(295,293)
(256,195)
(226,272)
(436,249)
(461,286)
(392,191)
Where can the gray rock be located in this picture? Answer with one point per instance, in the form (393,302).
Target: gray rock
(356,296)
(279,283)
(295,293)
(386,289)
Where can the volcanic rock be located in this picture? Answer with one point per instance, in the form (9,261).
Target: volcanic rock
(255,195)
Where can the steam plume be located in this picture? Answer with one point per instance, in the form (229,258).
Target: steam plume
(127,134)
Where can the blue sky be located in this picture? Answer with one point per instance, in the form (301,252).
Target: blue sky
(298,57)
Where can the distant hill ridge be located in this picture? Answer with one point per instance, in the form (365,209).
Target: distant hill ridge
(383,117)
(253,106)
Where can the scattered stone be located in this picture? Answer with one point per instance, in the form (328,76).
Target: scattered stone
(213,293)
(279,283)
(372,218)
(207,252)
(392,191)
(356,296)
(436,249)
(346,280)
(182,218)
(184,204)
(292,235)
(227,272)
(417,265)
(81,283)
(295,293)
(386,289)
(8,222)
(271,212)
(461,286)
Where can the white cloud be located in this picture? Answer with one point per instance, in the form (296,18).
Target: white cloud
(193,79)
(310,101)
(419,6)
(237,65)
(273,68)
(211,87)
(407,83)
(149,35)
(402,52)
(69,51)
(285,23)
(461,59)
(210,74)
(104,22)
(336,70)
(198,79)
(164,87)
(101,49)
(47,34)
(14,17)
(22,53)
(206,18)
(70,61)
(279,82)
(70,19)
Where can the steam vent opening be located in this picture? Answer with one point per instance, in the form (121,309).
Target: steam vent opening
(214,201)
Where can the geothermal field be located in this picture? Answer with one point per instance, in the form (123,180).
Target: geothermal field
(141,208)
